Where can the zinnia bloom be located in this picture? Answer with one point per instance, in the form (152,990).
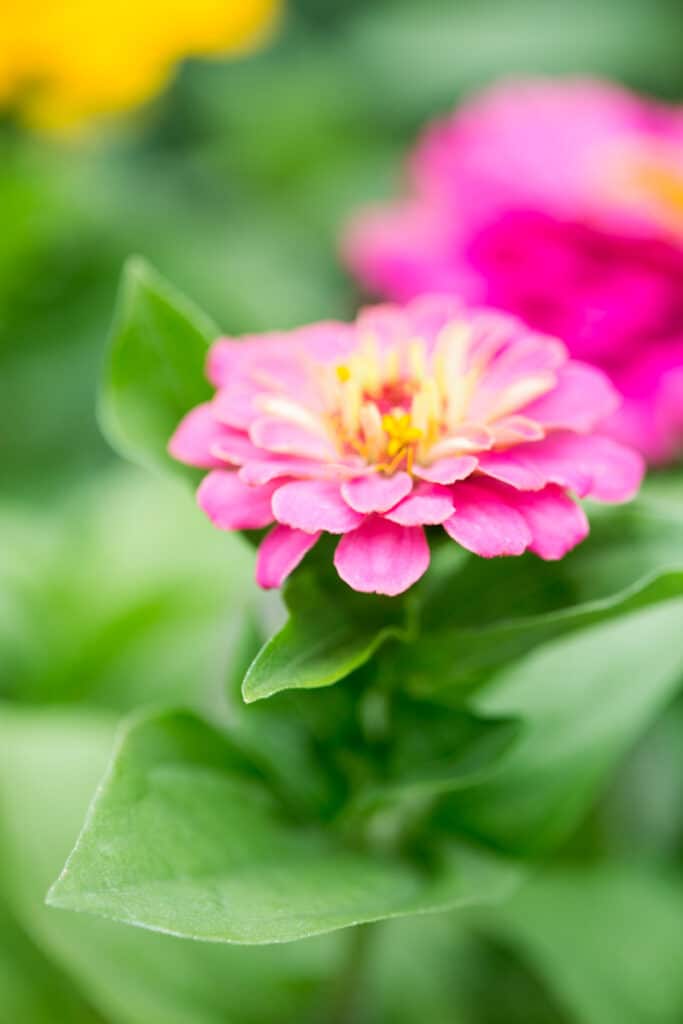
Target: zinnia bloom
(430,415)
(561,202)
(65,61)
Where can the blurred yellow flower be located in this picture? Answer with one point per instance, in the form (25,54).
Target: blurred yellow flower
(65,61)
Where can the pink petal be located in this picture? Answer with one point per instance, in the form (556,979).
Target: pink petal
(515,430)
(262,471)
(234,406)
(290,439)
(223,361)
(231,504)
(583,397)
(592,466)
(376,493)
(234,447)
(312,506)
(280,553)
(381,557)
(426,506)
(326,341)
(516,467)
(617,471)
(556,522)
(527,353)
(194,436)
(448,470)
(386,323)
(429,314)
(486,523)
(613,471)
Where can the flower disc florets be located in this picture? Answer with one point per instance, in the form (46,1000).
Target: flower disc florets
(426,415)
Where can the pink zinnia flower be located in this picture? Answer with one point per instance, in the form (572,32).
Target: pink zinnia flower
(561,202)
(424,416)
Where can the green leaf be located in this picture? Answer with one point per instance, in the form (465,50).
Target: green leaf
(155,368)
(185,838)
(49,765)
(607,939)
(583,701)
(331,631)
(484,615)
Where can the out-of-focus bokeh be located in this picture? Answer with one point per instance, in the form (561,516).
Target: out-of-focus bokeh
(233,178)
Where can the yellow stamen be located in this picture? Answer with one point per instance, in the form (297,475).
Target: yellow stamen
(371,423)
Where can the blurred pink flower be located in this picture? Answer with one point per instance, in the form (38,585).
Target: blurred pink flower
(561,202)
(422,416)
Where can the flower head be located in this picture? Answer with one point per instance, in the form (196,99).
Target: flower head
(561,202)
(424,416)
(63,62)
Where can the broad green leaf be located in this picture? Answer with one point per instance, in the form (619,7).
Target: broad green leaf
(607,939)
(185,838)
(49,766)
(482,616)
(155,367)
(583,701)
(642,813)
(331,631)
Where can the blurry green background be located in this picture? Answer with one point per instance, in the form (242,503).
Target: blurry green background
(113,590)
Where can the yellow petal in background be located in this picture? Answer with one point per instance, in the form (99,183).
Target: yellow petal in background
(62,63)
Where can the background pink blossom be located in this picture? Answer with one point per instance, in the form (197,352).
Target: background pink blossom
(562,202)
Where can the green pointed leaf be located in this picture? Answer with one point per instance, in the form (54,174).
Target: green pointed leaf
(583,701)
(155,368)
(482,616)
(185,838)
(331,631)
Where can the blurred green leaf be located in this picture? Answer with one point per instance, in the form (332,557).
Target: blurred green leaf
(607,939)
(583,701)
(185,838)
(155,368)
(331,631)
(642,813)
(32,989)
(480,617)
(108,599)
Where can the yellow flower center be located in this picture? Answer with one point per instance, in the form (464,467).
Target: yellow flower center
(392,405)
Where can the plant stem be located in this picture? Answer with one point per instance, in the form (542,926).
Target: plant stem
(347,1004)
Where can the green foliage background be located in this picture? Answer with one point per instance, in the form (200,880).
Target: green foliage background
(115,595)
